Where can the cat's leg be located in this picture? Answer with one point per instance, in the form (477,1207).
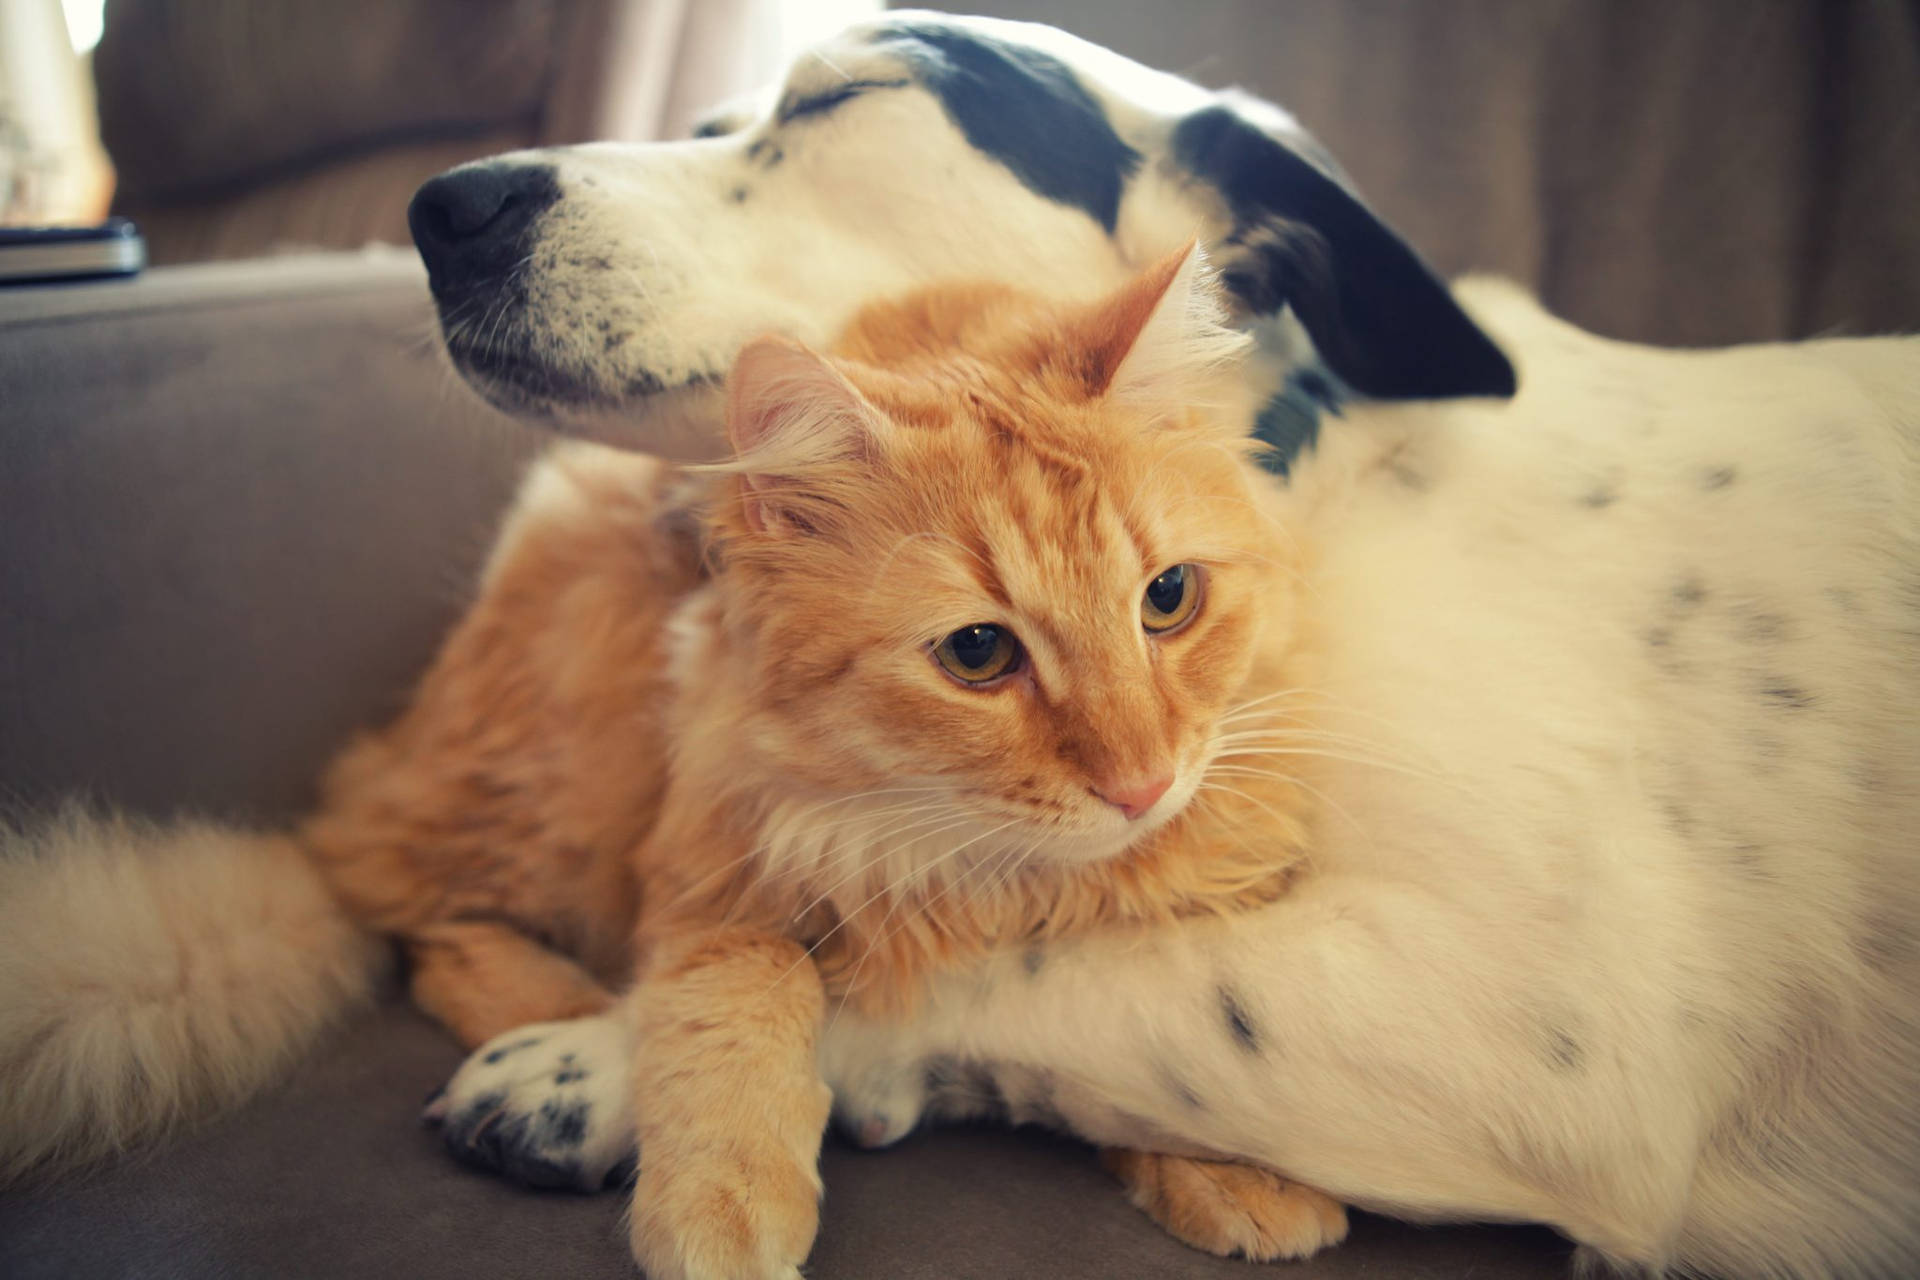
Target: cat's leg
(731,1108)
(489,828)
(1221,1206)
(480,979)
(1228,1208)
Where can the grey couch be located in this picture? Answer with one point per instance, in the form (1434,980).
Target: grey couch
(238,505)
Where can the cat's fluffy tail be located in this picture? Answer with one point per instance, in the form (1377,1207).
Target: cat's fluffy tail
(151,974)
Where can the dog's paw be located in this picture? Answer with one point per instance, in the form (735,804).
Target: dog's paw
(742,1210)
(1226,1208)
(546,1105)
(881,1104)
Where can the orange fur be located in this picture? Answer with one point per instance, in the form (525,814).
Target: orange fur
(645,735)
(1227,1208)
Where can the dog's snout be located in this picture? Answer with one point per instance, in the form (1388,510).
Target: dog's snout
(469,223)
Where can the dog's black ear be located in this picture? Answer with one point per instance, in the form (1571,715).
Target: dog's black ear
(1379,316)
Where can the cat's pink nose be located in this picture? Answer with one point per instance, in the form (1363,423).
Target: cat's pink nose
(1134,796)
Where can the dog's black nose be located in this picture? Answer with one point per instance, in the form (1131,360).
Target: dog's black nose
(470,223)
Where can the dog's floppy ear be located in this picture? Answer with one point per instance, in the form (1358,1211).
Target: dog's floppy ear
(1378,315)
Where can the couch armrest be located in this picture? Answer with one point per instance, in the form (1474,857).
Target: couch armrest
(239,504)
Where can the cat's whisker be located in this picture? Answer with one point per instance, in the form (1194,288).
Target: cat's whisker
(1364,761)
(1004,877)
(877,856)
(1352,750)
(882,933)
(859,795)
(770,876)
(921,872)
(850,829)
(1251,704)
(1296,781)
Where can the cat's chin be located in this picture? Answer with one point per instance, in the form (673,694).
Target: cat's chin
(1080,849)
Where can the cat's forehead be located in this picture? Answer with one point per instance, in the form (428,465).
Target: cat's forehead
(1025,518)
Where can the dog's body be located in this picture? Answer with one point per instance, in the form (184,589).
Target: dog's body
(1613,912)
(1611,923)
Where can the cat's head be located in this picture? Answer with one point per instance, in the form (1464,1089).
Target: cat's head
(1006,553)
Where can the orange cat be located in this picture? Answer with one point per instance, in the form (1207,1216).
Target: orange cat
(947,659)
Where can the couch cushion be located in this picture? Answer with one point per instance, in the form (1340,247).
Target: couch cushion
(240,505)
(332,1176)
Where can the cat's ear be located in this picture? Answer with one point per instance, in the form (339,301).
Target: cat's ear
(1162,338)
(793,419)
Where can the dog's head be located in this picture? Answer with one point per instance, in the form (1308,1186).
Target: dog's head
(574,282)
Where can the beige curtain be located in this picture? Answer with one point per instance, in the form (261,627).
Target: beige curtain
(1677,171)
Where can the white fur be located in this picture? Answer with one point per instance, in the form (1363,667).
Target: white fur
(511,1087)
(151,974)
(1616,914)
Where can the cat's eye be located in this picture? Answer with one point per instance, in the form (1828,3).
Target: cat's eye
(978,653)
(1171,598)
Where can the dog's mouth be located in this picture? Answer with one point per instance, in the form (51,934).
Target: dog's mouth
(631,410)
(521,383)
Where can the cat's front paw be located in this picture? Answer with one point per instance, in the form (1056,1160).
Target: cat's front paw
(546,1105)
(745,1210)
(1227,1208)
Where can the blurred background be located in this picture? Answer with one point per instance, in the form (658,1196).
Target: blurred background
(1678,171)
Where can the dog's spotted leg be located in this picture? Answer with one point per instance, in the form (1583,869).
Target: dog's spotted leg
(546,1105)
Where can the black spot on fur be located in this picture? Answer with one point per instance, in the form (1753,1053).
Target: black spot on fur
(1600,497)
(1563,1051)
(506,1049)
(958,1090)
(1717,478)
(1749,861)
(1761,626)
(1024,109)
(624,1173)
(570,1075)
(1378,315)
(1033,959)
(1688,592)
(739,195)
(563,1124)
(1410,477)
(1040,1110)
(1174,1084)
(1239,1022)
(819,104)
(1790,697)
(1289,424)
(531,1169)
